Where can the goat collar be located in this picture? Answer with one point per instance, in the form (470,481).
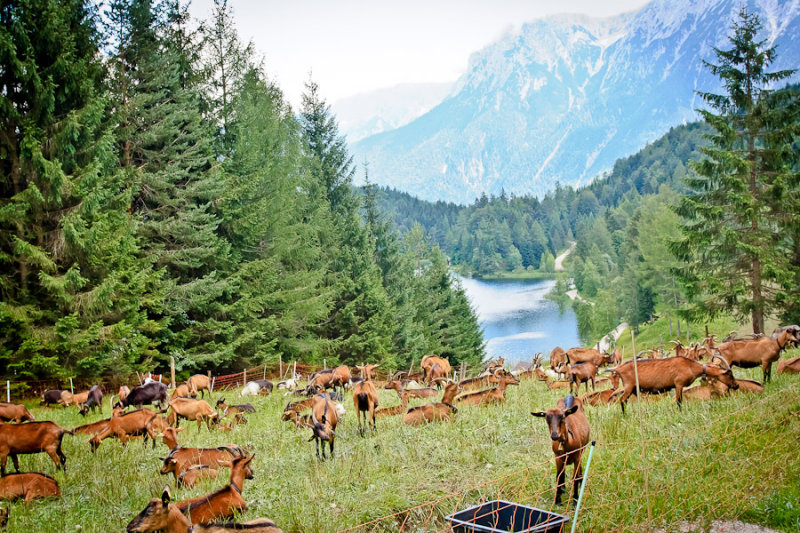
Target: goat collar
(237,489)
(778,342)
(704,370)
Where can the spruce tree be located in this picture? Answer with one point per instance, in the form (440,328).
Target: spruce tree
(738,196)
(70,279)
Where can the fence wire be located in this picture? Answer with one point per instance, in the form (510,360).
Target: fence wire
(679,482)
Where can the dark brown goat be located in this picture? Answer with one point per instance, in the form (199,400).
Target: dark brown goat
(31,437)
(660,375)
(163,515)
(582,373)
(434,412)
(12,412)
(365,400)
(28,486)
(569,435)
(763,351)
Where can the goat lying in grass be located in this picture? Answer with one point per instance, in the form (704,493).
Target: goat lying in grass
(225,502)
(163,515)
(426,392)
(434,412)
(381,412)
(28,486)
(484,397)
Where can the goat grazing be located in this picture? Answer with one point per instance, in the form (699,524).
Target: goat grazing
(94,400)
(32,437)
(28,486)
(199,383)
(324,418)
(135,423)
(150,393)
(192,409)
(660,375)
(365,400)
(434,412)
(749,353)
(485,397)
(163,515)
(569,435)
(181,391)
(12,412)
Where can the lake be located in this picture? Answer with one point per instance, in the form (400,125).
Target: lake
(518,321)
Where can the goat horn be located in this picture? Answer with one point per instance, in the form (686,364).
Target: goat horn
(678,343)
(721,358)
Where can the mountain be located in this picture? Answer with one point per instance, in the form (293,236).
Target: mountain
(374,112)
(564,97)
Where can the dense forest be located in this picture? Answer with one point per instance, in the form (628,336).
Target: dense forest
(160,197)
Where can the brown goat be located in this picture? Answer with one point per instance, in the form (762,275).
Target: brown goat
(485,397)
(181,391)
(324,419)
(67,398)
(763,351)
(601,397)
(425,392)
(365,400)
(367,371)
(225,502)
(123,392)
(569,435)
(12,412)
(551,385)
(31,437)
(135,423)
(199,383)
(558,357)
(163,515)
(789,366)
(196,473)
(582,373)
(28,486)
(585,355)
(192,409)
(381,412)
(659,375)
(434,412)
(434,369)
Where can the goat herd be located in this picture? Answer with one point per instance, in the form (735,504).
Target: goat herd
(321,410)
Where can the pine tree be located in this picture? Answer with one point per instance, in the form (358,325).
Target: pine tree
(70,279)
(739,194)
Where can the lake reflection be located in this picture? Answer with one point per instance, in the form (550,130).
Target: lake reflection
(517,320)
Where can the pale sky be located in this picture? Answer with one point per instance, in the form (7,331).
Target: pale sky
(356,46)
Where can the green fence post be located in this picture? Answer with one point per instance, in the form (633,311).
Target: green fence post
(583,486)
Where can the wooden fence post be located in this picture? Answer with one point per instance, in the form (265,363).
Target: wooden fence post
(280,365)
(463,370)
(172,370)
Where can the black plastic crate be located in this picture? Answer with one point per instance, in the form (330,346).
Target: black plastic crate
(500,516)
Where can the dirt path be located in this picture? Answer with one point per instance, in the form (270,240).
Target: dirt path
(561,257)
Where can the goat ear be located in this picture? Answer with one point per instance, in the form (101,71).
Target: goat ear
(571,410)
(165,497)
(539,413)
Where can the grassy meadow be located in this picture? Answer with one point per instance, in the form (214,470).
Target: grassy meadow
(656,467)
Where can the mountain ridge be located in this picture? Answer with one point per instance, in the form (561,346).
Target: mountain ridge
(562,98)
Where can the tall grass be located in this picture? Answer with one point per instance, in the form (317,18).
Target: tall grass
(732,455)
